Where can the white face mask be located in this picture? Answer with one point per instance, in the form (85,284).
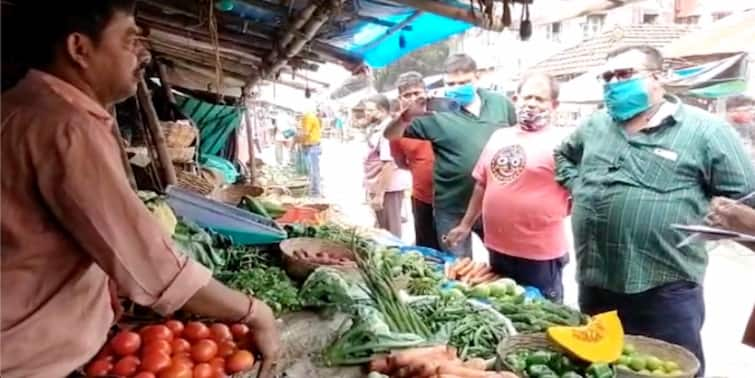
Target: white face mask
(533,120)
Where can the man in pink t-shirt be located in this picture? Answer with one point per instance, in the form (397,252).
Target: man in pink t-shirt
(523,208)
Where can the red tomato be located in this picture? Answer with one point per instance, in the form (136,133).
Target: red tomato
(127,366)
(204,350)
(218,362)
(182,359)
(196,331)
(162,346)
(156,332)
(106,353)
(175,326)
(126,343)
(145,374)
(155,362)
(242,360)
(180,345)
(203,370)
(226,348)
(220,332)
(239,330)
(175,371)
(99,368)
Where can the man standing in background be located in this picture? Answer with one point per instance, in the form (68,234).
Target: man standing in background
(417,156)
(309,138)
(384,181)
(457,137)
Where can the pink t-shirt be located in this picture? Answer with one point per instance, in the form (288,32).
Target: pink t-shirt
(523,208)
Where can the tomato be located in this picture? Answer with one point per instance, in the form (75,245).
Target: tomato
(154,346)
(239,331)
(204,350)
(226,348)
(218,362)
(240,361)
(145,374)
(203,370)
(155,361)
(175,326)
(126,343)
(156,332)
(180,345)
(196,331)
(106,353)
(127,366)
(175,371)
(182,359)
(99,368)
(220,332)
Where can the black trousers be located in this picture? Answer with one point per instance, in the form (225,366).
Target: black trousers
(546,275)
(424,225)
(673,312)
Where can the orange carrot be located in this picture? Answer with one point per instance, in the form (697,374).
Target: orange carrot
(408,356)
(459,266)
(380,365)
(461,371)
(476,363)
(462,272)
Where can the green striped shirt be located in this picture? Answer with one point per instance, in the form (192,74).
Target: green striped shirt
(628,189)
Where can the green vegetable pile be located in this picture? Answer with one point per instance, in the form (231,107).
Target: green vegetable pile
(267,283)
(536,316)
(550,364)
(419,276)
(631,360)
(474,332)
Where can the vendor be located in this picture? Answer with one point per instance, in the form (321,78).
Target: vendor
(74,233)
(729,214)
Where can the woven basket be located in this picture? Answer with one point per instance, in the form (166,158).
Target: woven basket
(515,343)
(300,269)
(687,361)
(181,154)
(179,134)
(233,194)
(194,183)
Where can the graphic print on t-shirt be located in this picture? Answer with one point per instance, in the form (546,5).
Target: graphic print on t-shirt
(508,163)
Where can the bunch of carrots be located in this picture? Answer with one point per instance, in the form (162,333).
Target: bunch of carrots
(470,272)
(438,361)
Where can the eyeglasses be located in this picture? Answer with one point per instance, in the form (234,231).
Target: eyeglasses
(460,82)
(619,74)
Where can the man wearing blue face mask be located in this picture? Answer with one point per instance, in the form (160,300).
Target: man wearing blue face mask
(457,134)
(643,163)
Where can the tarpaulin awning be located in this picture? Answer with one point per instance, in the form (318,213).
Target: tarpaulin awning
(216,122)
(732,34)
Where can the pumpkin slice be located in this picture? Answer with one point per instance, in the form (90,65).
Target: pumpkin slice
(601,340)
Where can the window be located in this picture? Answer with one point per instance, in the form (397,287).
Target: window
(649,18)
(593,25)
(554,32)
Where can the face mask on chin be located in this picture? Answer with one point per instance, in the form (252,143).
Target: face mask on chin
(533,120)
(626,99)
(462,94)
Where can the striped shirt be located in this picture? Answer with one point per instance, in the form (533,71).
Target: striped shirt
(628,189)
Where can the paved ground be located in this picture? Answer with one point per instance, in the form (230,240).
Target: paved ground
(729,293)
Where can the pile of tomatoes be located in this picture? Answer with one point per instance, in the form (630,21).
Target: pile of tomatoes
(175,350)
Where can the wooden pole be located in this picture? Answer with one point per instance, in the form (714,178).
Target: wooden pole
(169,172)
(162,73)
(249,140)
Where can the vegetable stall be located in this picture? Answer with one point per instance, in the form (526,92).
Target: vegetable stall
(352,306)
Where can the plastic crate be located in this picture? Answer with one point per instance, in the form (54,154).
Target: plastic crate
(243,227)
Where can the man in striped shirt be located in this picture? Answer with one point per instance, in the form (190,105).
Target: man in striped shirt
(643,163)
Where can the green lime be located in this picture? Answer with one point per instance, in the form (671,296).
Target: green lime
(670,366)
(628,349)
(659,372)
(637,363)
(644,372)
(624,360)
(623,367)
(654,363)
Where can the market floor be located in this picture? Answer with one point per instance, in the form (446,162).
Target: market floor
(729,293)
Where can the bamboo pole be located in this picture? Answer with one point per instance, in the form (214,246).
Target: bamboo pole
(249,140)
(162,73)
(169,172)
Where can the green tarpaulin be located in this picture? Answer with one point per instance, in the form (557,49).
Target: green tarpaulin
(216,122)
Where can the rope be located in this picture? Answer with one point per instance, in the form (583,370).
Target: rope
(216,45)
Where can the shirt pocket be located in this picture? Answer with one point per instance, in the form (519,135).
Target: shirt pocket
(653,171)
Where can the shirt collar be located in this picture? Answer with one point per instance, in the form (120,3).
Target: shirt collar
(70,94)
(670,109)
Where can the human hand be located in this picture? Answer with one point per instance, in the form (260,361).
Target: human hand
(731,215)
(456,235)
(266,338)
(376,202)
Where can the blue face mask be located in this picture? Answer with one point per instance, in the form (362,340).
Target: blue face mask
(463,94)
(626,99)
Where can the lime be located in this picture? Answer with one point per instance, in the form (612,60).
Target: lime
(628,349)
(659,372)
(654,363)
(638,363)
(623,367)
(675,372)
(644,371)
(624,360)
(670,366)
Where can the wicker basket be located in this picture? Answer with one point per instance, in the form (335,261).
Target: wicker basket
(515,343)
(194,183)
(687,361)
(233,194)
(179,134)
(300,269)
(181,154)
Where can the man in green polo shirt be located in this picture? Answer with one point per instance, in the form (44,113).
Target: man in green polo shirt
(458,133)
(645,162)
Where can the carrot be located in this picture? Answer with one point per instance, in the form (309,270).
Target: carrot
(461,371)
(465,269)
(483,277)
(380,365)
(476,363)
(468,275)
(459,266)
(449,376)
(408,356)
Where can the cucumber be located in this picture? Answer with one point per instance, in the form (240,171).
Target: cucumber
(256,207)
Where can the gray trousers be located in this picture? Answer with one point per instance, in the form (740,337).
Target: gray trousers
(389,218)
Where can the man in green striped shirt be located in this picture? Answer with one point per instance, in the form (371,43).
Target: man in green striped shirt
(645,162)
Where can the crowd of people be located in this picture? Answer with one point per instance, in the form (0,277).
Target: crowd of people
(76,236)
